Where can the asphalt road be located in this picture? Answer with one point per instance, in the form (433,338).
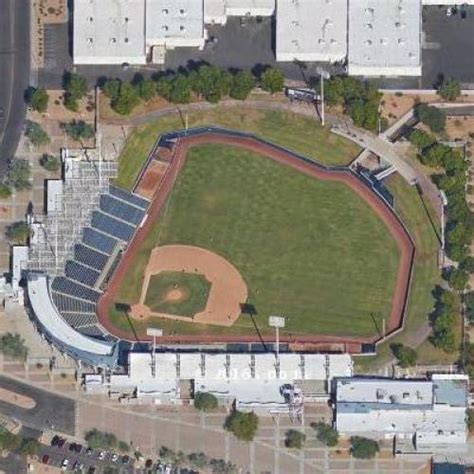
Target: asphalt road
(51,411)
(14,74)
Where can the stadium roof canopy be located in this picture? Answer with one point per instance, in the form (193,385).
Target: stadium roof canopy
(311,30)
(82,347)
(384,38)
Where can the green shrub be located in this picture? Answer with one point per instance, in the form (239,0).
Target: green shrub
(326,434)
(204,401)
(364,448)
(242,425)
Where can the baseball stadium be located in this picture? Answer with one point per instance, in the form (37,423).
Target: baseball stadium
(219,230)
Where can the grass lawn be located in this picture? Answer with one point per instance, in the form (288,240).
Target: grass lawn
(310,250)
(298,133)
(194,288)
(425,277)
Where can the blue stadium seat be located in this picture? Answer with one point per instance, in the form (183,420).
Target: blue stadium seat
(129,197)
(112,226)
(69,287)
(90,257)
(80,273)
(121,210)
(99,241)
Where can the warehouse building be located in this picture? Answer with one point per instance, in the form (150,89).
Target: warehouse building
(428,414)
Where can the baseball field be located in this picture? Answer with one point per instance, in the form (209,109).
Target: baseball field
(311,250)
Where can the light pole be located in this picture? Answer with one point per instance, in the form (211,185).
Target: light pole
(323,74)
(277,322)
(154,332)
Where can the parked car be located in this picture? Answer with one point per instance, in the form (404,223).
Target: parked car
(72,447)
(89,452)
(55,440)
(64,464)
(101,455)
(148,463)
(78,448)
(78,466)
(125,459)
(61,442)
(114,457)
(91,470)
(45,459)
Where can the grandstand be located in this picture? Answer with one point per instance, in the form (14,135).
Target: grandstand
(87,225)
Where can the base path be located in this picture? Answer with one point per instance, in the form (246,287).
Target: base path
(228,289)
(180,149)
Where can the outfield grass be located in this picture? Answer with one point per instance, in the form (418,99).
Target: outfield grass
(310,250)
(298,133)
(195,290)
(421,222)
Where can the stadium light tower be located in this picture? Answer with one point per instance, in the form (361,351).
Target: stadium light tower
(277,322)
(153,332)
(323,74)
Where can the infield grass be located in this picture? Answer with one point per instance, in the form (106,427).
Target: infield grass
(308,249)
(195,291)
(295,132)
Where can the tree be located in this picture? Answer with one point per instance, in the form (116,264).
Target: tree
(272,80)
(38,99)
(29,447)
(444,317)
(294,439)
(12,345)
(50,162)
(326,434)
(5,191)
(198,460)
(220,466)
(242,84)
(9,441)
(35,133)
(123,447)
(111,88)
(163,87)
(19,174)
(211,82)
(406,355)
(458,279)
(334,91)
(449,89)
(75,87)
(147,89)
(78,130)
(364,448)
(17,232)
(204,401)
(167,454)
(431,116)
(180,90)
(420,139)
(470,420)
(127,99)
(242,425)
(101,440)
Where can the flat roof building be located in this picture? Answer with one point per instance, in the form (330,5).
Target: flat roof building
(311,30)
(430,412)
(384,38)
(109,32)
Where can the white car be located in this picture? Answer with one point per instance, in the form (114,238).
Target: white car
(114,457)
(64,464)
(449,11)
(101,455)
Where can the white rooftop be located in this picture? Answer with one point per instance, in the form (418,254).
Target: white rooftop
(109,32)
(189,365)
(54,194)
(311,30)
(384,37)
(169,21)
(405,392)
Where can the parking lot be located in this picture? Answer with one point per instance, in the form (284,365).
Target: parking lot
(448,45)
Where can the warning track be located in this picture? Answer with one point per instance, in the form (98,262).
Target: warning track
(179,148)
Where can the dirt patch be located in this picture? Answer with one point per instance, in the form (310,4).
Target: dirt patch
(151,179)
(176,294)
(228,289)
(16,399)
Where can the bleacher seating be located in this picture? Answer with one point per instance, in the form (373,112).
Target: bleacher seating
(121,210)
(90,257)
(128,197)
(66,304)
(70,287)
(99,241)
(80,319)
(80,273)
(111,226)
(92,331)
